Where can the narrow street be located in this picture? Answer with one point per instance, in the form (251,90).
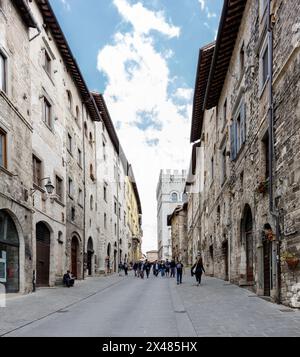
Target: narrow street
(131,307)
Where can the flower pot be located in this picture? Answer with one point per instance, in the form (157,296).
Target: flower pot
(292,263)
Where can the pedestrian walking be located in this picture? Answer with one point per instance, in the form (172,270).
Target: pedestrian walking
(155,268)
(179,271)
(198,270)
(167,268)
(125,267)
(173,268)
(135,268)
(162,269)
(147,268)
(141,269)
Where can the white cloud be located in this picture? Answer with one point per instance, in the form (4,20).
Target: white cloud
(137,88)
(144,20)
(210,14)
(184,93)
(66,4)
(202,4)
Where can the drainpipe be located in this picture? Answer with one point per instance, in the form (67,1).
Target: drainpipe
(84,191)
(272,206)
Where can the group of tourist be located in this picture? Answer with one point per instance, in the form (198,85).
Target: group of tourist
(167,269)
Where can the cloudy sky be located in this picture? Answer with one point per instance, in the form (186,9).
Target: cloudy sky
(142,55)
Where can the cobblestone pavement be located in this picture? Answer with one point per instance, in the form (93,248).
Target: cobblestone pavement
(127,306)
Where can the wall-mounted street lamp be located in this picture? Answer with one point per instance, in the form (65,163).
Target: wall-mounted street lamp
(49,187)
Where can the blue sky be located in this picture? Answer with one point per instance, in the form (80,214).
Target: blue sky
(142,54)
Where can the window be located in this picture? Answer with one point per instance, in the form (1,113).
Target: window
(212,168)
(238,131)
(223,166)
(37,170)
(80,197)
(124,218)
(224,114)
(85,128)
(70,187)
(3,149)
(115,229)
(105,221)
(69,98)
(59,187)
(91,202)
(115,207)
(70,143)
(91,138)
(242,60)
(265,66)
(104,151)
(174,197)
(2,72)
(105,192)
(47,62)
(79,158)
(73,212)
(77,114)
(47,112)
(120,212)
(266,143)
(92,172)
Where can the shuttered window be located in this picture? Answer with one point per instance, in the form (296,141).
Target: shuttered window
(238,132)
(2,72)
(3,149)
(37,170)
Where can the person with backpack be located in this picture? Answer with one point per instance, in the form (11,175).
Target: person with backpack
(198,269)
(179,271)
(125,267)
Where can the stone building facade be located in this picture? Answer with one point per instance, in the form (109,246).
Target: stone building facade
(178,223)
(52,132)
(246,119)
(169,194)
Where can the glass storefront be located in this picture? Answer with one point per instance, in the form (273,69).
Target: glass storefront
(9,253)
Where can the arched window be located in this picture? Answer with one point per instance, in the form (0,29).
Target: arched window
(69,95)
(91,138)
(174,197)
(91,202)
(92,172)
(85,129)
(77,114)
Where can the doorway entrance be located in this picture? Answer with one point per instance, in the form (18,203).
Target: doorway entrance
(9,253)
(74,256)
(42,254)
(225,255)
(248,230)
(267,246)
(90,255)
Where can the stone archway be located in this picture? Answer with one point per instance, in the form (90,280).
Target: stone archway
(247,231)
(9,253)
(43,241)
(75,256)
(90,255)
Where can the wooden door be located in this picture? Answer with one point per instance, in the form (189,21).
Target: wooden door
(42,255)
(249,256)
(74,256)
(267,268)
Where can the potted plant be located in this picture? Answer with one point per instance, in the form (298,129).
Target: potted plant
(291,259)
(263,186)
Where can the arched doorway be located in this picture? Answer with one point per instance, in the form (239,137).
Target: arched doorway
(9,253)
(267,251)
(90,254)
(74,256)
(115,258)
(248,234)
(42,254)
(225,255)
